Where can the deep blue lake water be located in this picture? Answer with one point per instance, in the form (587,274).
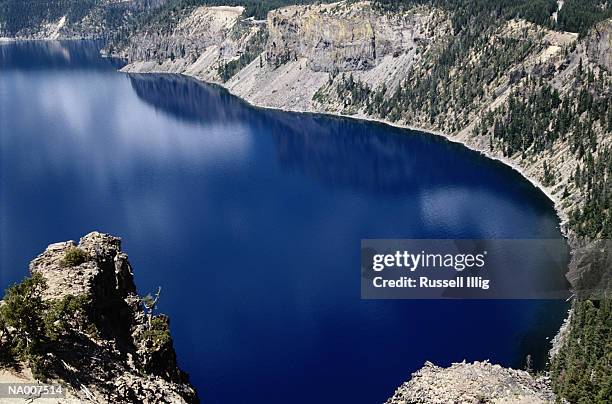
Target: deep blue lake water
(251,222)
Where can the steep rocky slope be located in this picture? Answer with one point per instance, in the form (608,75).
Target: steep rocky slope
(302,46)
(309,46)
(201,45)
(97,336)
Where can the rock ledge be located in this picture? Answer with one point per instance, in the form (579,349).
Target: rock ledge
(478,382)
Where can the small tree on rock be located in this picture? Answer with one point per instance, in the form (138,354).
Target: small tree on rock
(150,304)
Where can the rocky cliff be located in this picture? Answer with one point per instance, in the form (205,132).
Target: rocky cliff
(309,48)
(599,47)
(298,49)
(90,329)
(204,44)
(339,37)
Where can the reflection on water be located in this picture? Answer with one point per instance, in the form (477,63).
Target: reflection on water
(251,220)
(338,151)
(51,55)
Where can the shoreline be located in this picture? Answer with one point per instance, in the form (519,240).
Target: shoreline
(562,216)
(8,39)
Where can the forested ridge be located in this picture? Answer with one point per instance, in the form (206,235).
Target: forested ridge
(575,15)
(24,18)
(18,15)
(581,370)
(538,116)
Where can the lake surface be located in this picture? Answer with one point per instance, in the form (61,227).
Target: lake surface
(251,221)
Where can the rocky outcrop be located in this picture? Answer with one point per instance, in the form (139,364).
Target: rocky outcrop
(342,37)
(472,383)
(193,34)
(599,47)
(112,349)
(200,45)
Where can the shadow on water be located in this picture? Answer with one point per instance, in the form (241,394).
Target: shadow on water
(366,156)
(55,55)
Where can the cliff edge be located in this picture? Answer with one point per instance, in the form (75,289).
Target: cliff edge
(78,321)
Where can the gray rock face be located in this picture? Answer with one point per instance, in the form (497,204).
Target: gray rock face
(194,33)
(342,36)
(124,359)
(590,271)
(106,276)
(599,47)
(200,44)
(478,382)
